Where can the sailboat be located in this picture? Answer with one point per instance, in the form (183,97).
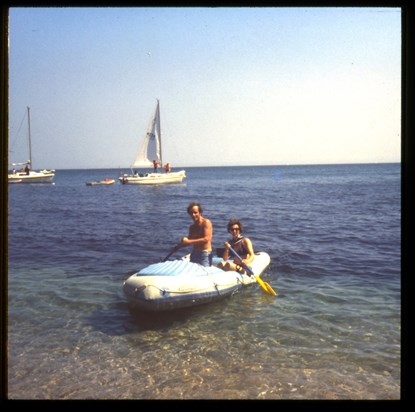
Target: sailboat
(26,174)
(150,153)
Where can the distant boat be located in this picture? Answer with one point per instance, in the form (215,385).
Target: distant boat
(149,152)
(104,182)
(26,174)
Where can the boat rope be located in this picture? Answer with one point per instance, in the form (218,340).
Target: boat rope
(239,279)
(216,286)
(164,291)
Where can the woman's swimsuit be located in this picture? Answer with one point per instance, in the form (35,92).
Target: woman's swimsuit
(242,251)
(240,247)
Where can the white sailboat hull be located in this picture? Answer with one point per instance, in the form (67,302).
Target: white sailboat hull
(153,178)
(43,176)
(180,284)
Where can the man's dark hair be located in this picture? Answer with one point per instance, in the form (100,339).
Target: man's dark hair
(191,205)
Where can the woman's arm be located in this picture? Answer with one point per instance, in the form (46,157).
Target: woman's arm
(250,255)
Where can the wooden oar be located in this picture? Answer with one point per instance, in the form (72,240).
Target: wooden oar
(264,285)
(174,249)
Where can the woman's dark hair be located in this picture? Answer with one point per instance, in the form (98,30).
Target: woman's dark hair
(191,205)
(235,222)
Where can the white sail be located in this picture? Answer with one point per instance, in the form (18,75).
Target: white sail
(151,146)
(151,150)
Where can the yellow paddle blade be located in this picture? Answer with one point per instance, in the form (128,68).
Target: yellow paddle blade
(270,290)
(265,286)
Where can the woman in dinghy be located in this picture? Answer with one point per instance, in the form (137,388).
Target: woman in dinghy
(242,246)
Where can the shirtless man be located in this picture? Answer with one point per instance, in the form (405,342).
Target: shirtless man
(200,236)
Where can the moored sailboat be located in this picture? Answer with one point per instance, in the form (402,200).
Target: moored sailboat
(26,174)
(150,153)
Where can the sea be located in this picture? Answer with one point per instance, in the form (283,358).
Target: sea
(333,332)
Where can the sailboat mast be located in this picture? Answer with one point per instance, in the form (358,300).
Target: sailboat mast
(30,138)
(159,133)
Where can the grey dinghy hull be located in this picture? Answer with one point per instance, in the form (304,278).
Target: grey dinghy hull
(180,283)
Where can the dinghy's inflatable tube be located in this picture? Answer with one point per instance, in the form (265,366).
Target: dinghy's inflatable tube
(181,283)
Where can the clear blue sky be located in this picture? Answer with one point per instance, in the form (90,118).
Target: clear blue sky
(236,86)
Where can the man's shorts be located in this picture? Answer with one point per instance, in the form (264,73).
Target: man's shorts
(203,258)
